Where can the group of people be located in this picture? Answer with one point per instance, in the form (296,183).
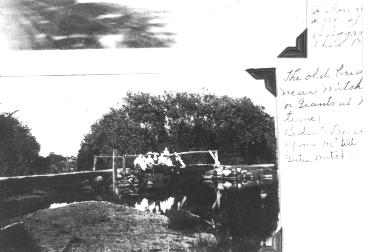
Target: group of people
(152,159)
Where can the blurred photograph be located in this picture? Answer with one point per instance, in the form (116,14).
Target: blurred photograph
(84,24)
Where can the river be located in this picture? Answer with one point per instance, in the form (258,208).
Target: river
(244,213)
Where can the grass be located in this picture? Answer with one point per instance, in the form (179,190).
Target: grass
(17,238)
(100,226)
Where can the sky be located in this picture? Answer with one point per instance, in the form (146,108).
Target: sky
(215,44)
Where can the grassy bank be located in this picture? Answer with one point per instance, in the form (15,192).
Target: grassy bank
(101,226)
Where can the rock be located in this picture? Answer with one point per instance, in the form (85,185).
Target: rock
(98,179)
(226,172)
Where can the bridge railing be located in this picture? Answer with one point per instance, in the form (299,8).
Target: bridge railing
(114,156)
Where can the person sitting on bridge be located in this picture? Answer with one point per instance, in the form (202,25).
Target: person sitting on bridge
(149,160)
(155,157)
(169,161)
(166,151)
(139,163)
(162,159)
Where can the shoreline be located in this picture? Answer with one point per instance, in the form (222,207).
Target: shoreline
(100,226)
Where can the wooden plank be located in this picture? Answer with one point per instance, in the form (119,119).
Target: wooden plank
(106,156)
(171,154)
(94,163)
(191,152)
(54,174)
(114,172)
(124,165)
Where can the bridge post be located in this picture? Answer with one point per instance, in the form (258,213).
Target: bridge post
(94,163)
(217,159)
(124,164)
(214,155)
(114,172)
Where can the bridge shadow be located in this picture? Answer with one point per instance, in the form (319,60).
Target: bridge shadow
(67,24)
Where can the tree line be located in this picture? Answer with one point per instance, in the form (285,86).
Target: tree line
(19,151)
(241,131)
(18,148)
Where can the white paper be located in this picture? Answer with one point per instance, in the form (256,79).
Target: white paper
(322,133)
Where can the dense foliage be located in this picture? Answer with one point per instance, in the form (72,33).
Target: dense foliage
(19,151)
(18,148)
(54,163)
(241,131)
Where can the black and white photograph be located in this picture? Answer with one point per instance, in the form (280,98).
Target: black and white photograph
(117,24)
(171,125)
(151,168)
(84,24)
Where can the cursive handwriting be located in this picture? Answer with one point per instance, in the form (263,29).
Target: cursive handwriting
(308,96)
(336,26)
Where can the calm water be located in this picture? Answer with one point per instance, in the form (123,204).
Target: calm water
(242,214)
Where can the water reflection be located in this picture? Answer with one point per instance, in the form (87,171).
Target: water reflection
(57,205)
(245,216)
(155,207)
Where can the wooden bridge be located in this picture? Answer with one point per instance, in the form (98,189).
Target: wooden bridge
(114,156)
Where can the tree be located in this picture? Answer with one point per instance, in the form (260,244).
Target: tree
(40,165)
(53,163)
(241,131)
(56,163)
(18,148)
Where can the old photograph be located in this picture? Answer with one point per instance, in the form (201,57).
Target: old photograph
(155,165)
(84,24)
(182,125)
